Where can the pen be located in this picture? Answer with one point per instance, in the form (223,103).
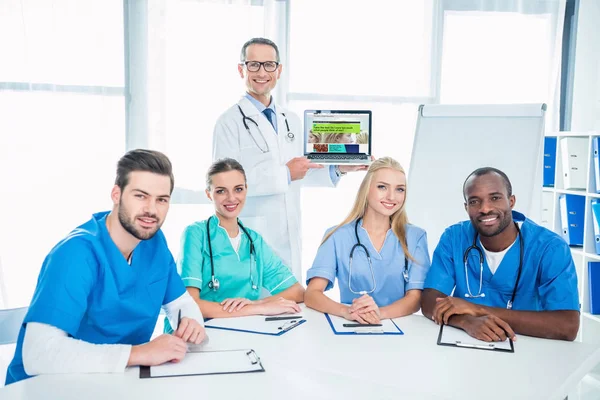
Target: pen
(283,318)
(360,325)
(368,331)
(179,319)
(490,346)
(287,328)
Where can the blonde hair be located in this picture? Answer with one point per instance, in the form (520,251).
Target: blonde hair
(398,220)
(316,135)
(362,138)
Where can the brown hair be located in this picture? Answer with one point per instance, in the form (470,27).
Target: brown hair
(223,165)
(143,160)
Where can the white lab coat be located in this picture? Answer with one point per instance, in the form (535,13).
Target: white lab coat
(272,206)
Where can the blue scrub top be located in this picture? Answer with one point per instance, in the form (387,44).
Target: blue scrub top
(87,289)
(548,279)
(333,259)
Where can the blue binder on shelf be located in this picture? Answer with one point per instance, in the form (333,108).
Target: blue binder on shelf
(549,160)
(594,286)
(259,324)
(596,219)
(572,216)
(341,326)
(596,147)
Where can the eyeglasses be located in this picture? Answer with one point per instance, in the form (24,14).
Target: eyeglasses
(254,66)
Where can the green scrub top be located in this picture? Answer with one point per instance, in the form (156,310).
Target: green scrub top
(236,271)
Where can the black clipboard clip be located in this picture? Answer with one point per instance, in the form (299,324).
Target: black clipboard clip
(254,358)
(290,325)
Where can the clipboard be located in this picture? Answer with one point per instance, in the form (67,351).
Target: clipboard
(254,324)
(388,327)
(217,362)
(455,337)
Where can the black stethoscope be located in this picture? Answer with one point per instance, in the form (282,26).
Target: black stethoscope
(289,136)
(359,244)
(214,283)
(480,253)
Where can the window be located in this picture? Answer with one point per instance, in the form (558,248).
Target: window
(62,128)
(513,58)
(497,65)
(201,78)
(371,48)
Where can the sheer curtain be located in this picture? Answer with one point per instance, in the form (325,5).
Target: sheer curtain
(62,126)
(502,52)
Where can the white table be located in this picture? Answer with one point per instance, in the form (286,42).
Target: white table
(310,362)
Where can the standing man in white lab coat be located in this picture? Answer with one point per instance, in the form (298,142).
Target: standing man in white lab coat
(268,140)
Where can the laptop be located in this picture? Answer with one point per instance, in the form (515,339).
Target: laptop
(337,137)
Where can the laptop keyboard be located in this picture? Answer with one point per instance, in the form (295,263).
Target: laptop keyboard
(343,156)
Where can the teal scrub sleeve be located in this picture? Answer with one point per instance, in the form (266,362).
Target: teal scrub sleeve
(325,263)
(190,256)
(417,270)
(558,278)
(441,275)
(65,282)
(277,277)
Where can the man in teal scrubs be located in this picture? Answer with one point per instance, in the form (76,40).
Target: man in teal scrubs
(104,284)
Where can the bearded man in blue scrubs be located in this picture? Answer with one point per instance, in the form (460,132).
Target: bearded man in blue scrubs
(528,282)
(101,288)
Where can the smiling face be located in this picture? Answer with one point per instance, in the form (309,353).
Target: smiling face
(387,191)
(228,193)
(260,83)
(488,204)
(143,203)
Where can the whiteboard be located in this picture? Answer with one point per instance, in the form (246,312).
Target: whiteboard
(451,141)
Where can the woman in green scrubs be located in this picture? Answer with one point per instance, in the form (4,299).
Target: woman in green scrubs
(228,268)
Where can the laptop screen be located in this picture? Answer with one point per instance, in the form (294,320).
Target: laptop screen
(337,131)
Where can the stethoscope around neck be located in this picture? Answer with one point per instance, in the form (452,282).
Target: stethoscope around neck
(475,247)
(289,135)
(214,283)
(359,244)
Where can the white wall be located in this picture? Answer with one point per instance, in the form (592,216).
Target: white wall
(586,85)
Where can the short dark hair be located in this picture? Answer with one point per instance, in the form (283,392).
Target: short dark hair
(223,165)
(489,170)
(258,41)
(143,160)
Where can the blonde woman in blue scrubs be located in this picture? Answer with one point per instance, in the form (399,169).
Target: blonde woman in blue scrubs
(229,283)
(378,258)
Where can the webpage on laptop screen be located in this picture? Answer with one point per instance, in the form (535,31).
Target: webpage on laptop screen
(337,132)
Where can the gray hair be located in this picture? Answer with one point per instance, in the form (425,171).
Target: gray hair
(258,41)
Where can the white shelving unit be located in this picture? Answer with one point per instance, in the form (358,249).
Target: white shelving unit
(581,255)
